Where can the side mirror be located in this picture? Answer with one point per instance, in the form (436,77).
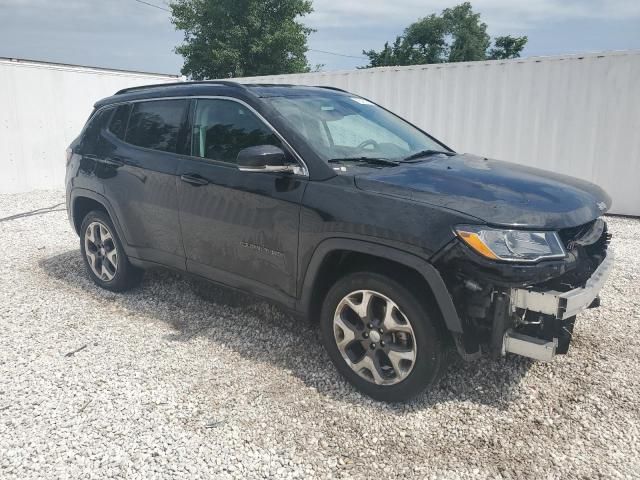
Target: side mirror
(263,158)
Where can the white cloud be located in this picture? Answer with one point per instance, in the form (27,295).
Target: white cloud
(498,14)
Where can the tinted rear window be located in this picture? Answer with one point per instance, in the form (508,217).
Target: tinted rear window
(91,137)
(156,124)
(119,120)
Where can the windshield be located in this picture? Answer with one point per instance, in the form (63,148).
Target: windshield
(340,128)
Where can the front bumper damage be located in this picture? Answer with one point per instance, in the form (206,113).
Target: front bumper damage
(563,306)
(527,310)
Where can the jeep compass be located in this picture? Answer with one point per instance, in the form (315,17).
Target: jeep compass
(335,208)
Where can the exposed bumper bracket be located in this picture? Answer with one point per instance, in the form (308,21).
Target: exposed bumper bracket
(563,305)
(536,348)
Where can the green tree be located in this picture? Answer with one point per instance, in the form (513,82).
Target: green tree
(507,47)
(456,35)
(234,38)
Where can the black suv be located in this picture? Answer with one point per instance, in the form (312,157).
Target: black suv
(339,210)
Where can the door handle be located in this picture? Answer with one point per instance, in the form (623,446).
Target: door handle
(113,161)
(194,179)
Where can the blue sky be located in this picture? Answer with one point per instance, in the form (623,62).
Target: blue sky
(126,34)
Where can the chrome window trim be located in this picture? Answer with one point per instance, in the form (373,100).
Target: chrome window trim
(304,170)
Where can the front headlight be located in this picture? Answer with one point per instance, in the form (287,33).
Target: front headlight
(511,245)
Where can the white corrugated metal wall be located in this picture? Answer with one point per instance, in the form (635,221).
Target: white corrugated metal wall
(575,114)
(42,109)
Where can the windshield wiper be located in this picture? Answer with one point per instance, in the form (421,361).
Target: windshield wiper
(371,160)
(426,153)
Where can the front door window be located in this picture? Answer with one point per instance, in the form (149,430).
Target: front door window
(222,128)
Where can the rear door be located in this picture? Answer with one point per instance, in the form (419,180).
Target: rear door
(139,176)
(238,228)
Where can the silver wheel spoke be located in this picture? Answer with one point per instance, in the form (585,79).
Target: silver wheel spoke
(371,365)
(105,235)
(91,233)
(362,307)
(391,323)
(348,334)
(397,356)
(112,256)
(92,259)
(105,273)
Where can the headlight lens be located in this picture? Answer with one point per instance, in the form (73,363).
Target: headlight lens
(511,245)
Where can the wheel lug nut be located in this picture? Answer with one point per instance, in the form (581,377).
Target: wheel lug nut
(370,325)
(365,334)
(382,343)
(373,346)
(380,330)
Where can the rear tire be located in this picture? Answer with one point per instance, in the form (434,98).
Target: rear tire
(103,254)
(395,331)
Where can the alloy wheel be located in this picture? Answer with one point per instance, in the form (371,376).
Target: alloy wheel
(100,250)
(374,337)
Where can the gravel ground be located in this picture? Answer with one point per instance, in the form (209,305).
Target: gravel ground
(165,383)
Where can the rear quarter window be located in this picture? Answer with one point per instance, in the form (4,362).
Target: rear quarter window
(156,124)
(118,124)
(91,139)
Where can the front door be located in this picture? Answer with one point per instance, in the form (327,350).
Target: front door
(238,228)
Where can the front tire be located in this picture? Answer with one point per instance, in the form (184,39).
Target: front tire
(103,254)
(381,337)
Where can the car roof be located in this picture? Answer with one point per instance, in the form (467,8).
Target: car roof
(281,90)
(215,88)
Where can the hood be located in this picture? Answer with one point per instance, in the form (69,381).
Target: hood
(498,193)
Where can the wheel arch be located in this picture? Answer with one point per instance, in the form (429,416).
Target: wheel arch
(320,268)
(83,201)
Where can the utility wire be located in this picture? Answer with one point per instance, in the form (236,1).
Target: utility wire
(152,5)
(310,49)
(337,54)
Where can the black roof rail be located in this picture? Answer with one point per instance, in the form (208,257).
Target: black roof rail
(178,84)
(249,85)
(332,88)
